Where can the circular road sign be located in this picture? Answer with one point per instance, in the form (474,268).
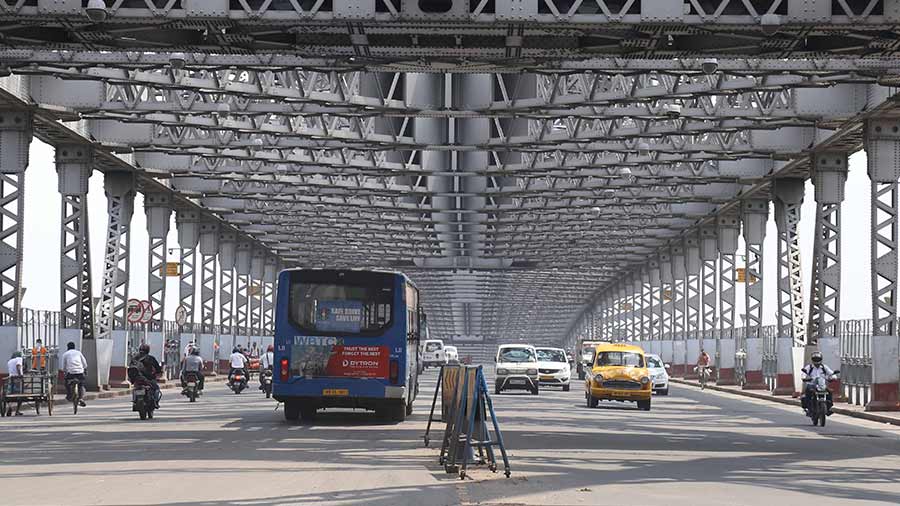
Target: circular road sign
(181,315)
(134,310)
(146,311)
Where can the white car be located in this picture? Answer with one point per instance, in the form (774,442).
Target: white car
(433,353)
(517,368)
(658,374)
(451,353)
(553,367)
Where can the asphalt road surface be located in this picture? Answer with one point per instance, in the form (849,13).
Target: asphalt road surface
(694,448)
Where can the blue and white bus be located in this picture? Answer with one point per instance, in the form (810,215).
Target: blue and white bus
(346,339)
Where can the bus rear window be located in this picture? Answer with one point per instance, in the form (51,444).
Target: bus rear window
(346,304)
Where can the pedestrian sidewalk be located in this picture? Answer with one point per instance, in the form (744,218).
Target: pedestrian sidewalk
(853,410)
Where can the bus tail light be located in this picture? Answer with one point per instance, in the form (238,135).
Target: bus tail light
(395,371)
(285,371)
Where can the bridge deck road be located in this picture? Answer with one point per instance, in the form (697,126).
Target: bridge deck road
(694,448)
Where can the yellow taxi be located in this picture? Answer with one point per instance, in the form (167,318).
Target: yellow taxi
(618,373)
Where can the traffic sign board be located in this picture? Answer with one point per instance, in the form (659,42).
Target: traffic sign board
(171,269)
(181,315)
(134,310)
(146,311)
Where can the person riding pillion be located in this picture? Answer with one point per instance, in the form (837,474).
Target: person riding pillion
(146,367)
(815,369)
(74,365)
(266,362)
(193,363)
(238,363)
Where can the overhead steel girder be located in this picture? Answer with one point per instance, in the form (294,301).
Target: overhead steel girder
(548,29)
(213,97)
(781,140)
(156,61)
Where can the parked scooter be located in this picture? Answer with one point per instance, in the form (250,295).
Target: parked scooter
(191,386)
(237,381)
(818,403)
(265,382)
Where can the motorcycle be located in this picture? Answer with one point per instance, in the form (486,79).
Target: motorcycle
(817,404)
(237,381)
(142,400)
(191,386)
(265,382)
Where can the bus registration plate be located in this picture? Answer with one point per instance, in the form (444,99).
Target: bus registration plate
(335,392)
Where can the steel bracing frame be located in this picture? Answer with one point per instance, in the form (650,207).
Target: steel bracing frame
(76,302)
(226,299)
(12,205)
(790,275)
(242,304)
(187,280)
(116,258)
(156,279)
(884,209)
(825,303)
(208,287)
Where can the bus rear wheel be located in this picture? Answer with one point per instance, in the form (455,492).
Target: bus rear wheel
(291,410)
(307,413)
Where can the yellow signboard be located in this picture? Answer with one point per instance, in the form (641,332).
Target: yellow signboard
(625,306)
(667,295)
(254,289)
(171,269)
(335,392)
(742,276)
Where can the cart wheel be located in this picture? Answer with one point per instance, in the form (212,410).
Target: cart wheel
(37,406)
(2,407)
(462,475)
(507,473)
(50,406)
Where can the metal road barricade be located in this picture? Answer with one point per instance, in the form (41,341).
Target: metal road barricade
(855,338)
(467,435)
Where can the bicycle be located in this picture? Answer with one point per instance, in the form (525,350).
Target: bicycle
(77,393)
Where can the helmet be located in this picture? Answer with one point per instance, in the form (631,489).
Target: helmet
(816,357)
(271,347)
(195,351)
(144,349)
(237,349)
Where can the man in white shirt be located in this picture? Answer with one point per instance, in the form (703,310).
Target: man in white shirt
(266,362)
(16,369)
(238,363)
(74,365)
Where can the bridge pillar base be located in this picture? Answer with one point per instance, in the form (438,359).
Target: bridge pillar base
(754,380)
(784,384)
(726,377)
(885,375)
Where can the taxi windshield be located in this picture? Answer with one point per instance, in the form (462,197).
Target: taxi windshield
(620,358)
(516,355)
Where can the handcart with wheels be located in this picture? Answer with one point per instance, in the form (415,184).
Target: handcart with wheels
(33,388)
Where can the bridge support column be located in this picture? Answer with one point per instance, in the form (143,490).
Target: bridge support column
(646,305)
(692,315)
(666,310)
(74,164)
(708,256)
(242,256)
(788,198)
(655,294)
(755,214)
(257,271)
(829,176)
(120,194)
(728,227)
(158,207)
(227,257)
(270,280)
(679,343)
(882,141)
(209,248)
(15,140)
(188,224)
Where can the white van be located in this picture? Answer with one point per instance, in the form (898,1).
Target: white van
(433,353)
(517,368)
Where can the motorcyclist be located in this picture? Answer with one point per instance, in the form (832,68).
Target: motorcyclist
(193,364)
(238,363)
(266,363)
(145,367)
(815,369)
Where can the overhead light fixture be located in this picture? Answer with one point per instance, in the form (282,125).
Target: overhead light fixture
(643,149)
(710,66)
(96,11)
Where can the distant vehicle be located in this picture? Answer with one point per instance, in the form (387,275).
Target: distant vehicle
(586,357)
(618,373)
(346,339)
(433,354)
(451,354)
(554,368)
(516,368)
(659,374)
